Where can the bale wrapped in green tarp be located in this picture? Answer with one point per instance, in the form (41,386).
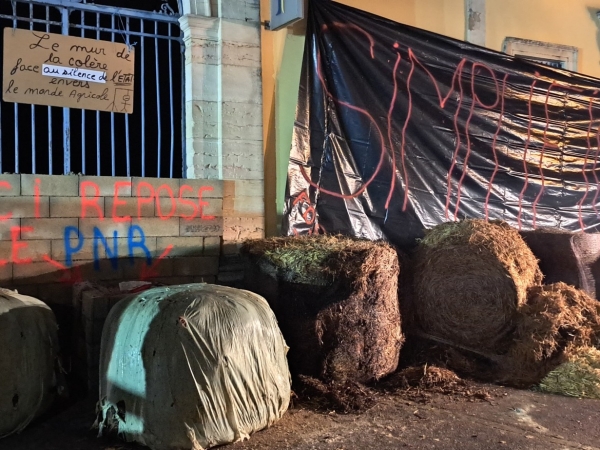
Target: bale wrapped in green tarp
(28,360)
(336,299)
(191,367)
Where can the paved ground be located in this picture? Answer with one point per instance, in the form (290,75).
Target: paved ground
(510,420)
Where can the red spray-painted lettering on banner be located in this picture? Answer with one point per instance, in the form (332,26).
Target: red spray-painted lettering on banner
(480,74)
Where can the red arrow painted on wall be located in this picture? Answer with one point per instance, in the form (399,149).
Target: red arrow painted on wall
(70,276)
(148,272)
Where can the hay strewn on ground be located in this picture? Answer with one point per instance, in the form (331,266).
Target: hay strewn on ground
(579,376)
(470,278)
(344,397)
(420,382)
(336,300)
(555,322)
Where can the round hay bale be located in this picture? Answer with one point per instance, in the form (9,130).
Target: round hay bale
(28,360)
(578,377)
(470,278)
(556,320)
(191,367)
(336,301)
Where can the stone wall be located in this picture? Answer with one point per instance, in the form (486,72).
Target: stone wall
(58,230)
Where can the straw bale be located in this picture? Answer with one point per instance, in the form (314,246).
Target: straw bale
(579,376)
(336,300)
(470,278)
(556,320)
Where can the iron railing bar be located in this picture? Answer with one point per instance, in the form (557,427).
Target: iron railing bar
(171,107)
(159,149)
(98,171)
(182,109)
(112,114)
(133,33)
(143,94)
(32,110)
(26,19)
(50,159)
(16,105)
(66,111)
(112,10)
(83,146)
(126,114)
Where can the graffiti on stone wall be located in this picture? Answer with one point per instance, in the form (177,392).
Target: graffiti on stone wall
(185,203)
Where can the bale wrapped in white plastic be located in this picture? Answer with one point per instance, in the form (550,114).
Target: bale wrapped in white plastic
(28,360)
(191,367)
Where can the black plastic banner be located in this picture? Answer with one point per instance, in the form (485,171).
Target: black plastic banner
(399,129)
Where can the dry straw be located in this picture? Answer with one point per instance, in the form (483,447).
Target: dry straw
(579,376)
(553,325)
(337,304)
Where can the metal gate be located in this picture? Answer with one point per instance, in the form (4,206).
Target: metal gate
(149,142)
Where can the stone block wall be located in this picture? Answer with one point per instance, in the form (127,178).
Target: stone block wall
(58,230)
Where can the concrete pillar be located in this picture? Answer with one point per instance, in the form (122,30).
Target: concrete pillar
(224,108)
(475,21)
(202,96)
(223,90)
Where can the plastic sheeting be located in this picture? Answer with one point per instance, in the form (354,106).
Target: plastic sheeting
(28,360)
(398,129)
(192,366)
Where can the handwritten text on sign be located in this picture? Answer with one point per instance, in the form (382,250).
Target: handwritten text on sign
(55,70)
